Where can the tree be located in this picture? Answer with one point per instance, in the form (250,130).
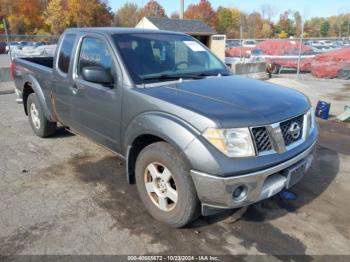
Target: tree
(282,34)
(285,24)
(17,25)
(266,31)
(228,20)
(31,10)
(127,16)
(202,11)
(298,20)
(55,17)
(324,29)
(254,25)
(153,8)
(312,26)
(83,13)
(24,16)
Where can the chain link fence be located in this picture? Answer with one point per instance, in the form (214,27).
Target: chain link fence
(323,58)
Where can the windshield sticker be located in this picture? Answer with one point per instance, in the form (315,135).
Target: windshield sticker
(194,46)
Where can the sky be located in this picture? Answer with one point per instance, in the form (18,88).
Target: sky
(308,8)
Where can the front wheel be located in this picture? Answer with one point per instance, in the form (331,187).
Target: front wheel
(40,125)
(165,186)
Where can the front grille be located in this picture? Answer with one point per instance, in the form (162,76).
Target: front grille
(267,141)
(289,136)
(262,139)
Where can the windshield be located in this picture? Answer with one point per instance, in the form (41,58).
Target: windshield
(159,57)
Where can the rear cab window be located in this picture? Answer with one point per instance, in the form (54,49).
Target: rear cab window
(65,53)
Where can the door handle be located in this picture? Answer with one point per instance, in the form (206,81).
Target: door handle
(76,88)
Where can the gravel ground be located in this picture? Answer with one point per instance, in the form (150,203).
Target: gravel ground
(66,195)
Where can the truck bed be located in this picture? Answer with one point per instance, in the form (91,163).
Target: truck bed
(44,61)
(38,68)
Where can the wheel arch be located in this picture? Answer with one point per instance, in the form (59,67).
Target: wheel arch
(31,85)
(154,127)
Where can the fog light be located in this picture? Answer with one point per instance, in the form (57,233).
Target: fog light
(240,193)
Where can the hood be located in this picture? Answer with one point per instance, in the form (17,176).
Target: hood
(234,101)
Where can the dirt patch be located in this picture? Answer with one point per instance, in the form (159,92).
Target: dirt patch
(335,135)
(347,87)
(22,238)
(342,95)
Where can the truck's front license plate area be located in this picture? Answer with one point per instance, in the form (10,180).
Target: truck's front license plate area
(295,173)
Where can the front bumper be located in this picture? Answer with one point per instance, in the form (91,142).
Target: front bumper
(217,192)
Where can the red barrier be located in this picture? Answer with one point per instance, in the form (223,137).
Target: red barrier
(236,51)
(329,64)
(282,47)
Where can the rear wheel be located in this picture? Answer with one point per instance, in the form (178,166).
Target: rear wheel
(40,125)
(165,186)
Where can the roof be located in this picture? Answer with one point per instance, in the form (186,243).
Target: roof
(182,25)
(117,30)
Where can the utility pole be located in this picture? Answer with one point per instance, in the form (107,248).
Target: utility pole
(182,9)
(301,45)
(7,37)
(241,37)
(241,41)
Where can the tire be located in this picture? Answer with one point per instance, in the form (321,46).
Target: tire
(162,157)
(344,74)
(40,125)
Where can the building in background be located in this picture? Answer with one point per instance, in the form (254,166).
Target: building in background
(195,28)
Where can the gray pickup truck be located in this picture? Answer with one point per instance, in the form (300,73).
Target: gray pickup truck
(196,139)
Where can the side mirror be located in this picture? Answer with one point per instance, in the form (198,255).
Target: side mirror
(97,74)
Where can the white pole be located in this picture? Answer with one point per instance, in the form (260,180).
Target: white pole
(7,38)
(301,45)
(182,9)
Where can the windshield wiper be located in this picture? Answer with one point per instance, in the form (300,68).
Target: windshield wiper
(171,77)
(213,74)
(181,76)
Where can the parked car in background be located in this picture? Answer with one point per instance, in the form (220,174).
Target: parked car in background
(3,47)
(321,48)
(232,43)
(11,45)
(326,42)
(249,43)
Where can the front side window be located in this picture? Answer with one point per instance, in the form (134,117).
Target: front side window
(66,52)
(94,52)
(147,56)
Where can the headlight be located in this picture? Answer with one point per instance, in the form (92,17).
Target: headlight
(236,142)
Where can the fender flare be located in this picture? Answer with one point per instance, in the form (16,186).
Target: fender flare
(167,127)
(40,94)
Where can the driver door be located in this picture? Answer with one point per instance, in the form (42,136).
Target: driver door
(96,108)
